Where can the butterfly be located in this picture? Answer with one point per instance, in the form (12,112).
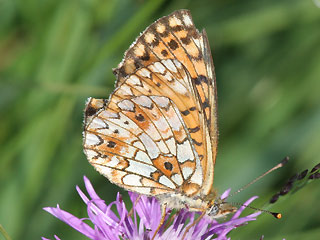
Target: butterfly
(157,133)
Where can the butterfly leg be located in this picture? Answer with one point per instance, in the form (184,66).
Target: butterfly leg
(163,216)
(194,223)
(134,204)
(171,219)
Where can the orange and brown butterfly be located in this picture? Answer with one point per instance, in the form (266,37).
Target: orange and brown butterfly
(157,133)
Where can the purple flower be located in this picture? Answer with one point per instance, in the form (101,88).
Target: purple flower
(108,225)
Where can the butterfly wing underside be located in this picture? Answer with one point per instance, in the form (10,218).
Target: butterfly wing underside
(157,133)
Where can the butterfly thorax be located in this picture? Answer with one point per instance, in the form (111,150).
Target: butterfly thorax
(214,207)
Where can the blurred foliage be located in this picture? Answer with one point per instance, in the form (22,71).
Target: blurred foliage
(54,54)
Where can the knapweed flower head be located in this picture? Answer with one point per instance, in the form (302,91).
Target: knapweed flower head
(144,218)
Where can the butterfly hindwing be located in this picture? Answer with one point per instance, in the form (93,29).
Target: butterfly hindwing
(154,152)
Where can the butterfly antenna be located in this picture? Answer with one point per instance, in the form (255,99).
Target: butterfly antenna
(274,214)
(279,165)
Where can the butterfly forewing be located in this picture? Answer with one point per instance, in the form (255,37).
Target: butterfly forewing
(157,133)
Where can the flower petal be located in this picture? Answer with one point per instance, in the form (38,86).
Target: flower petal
(71,220)
(225,194)
(107,224)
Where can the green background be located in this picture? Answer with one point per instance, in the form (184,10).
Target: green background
(54,54)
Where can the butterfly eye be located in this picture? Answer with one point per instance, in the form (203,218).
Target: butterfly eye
(213,210)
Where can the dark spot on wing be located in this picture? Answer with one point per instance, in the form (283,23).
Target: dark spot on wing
(145,56)
(200,79)
(140,117)
(196,143)
(155,42)
(90,111)
(186,40)
(111,144)
(138,64)
(205,104)
(164,53)
(185,113)
(173,44)
(168,166)
(193,130)
(177,28)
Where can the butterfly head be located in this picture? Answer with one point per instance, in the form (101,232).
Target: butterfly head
(218,208)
